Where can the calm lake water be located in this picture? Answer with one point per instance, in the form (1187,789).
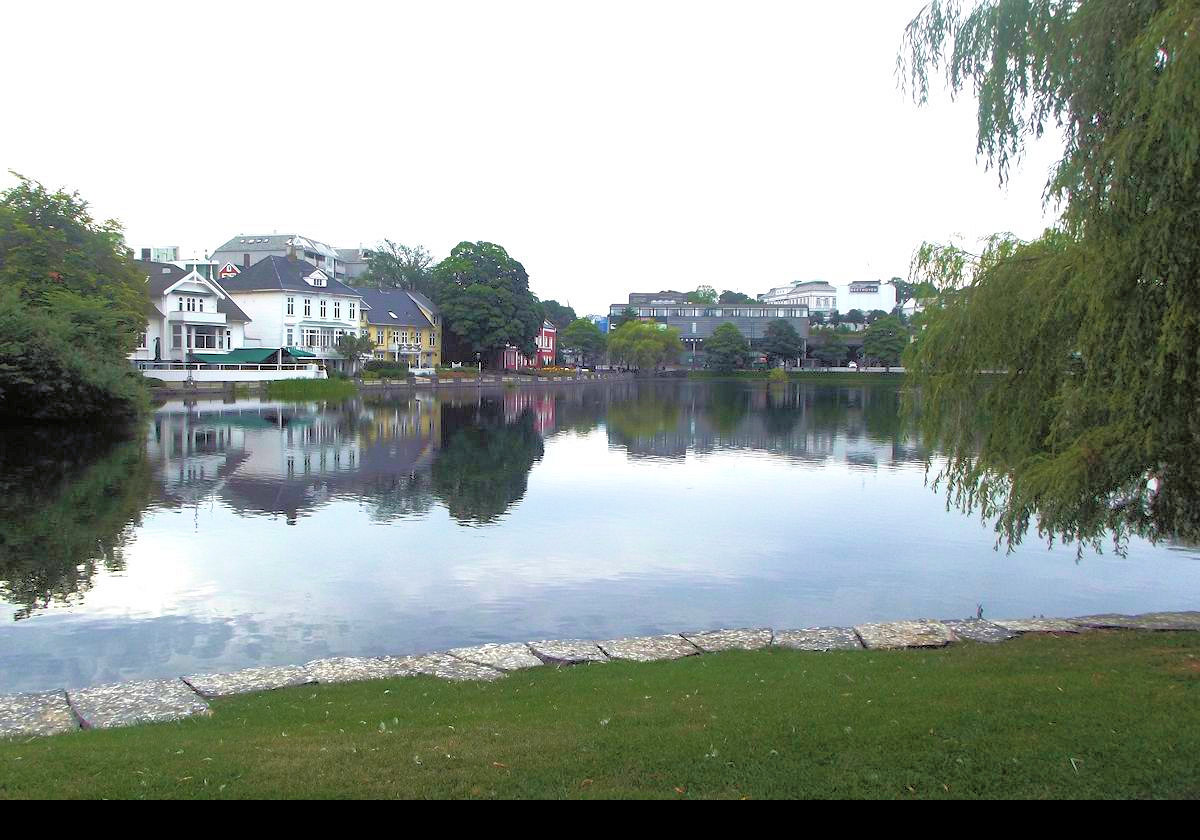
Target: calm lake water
(229,534)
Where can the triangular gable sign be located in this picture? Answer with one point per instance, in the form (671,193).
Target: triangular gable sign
(228,270)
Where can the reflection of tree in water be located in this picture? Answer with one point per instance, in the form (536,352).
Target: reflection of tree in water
(783,410)
(729,403)
(68,501)
(484,461)
(645,415)
(399,497)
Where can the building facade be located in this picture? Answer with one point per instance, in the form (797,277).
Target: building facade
(868,296)
(697,322)
(246,251)
(547,350)
(404,326)
(187,314)
(294,304)
(815,295)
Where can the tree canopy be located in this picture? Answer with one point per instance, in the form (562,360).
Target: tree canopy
(726,348)
(782,342)
(485,300)
(885,340)
(392,265)
(583,337)
(72,304)
(703,294)
(645,346)
(1090,422)
(728,296)
(557,314)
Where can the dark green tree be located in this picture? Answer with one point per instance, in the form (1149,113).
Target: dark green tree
(485,300)
(829,346)
(72,304)
(584,338)
(703,294)
(559,315)
(726,348)
(1091,332)
(781,342)
(627,314)
(728,296)
(644,346)
(885,341)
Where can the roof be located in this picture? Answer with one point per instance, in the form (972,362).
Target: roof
(162,276)
(351,255)
(276,242)
(279,273)
(393,306)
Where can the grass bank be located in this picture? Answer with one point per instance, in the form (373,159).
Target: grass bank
(311,389)
(1099,715)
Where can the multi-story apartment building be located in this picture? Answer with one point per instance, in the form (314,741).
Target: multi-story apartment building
(404,326)
(354,261)
(696,322)
(242,252)
(187,314)
(816,295)
(294,304)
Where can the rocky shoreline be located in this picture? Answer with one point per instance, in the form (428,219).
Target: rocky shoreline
(152,701)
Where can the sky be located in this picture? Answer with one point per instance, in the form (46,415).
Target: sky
(611,148)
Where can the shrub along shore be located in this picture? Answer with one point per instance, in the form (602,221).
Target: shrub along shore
(1098,714)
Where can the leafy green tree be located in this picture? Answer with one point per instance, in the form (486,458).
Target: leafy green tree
(72,304)
(559,315)
(485,300)
(1091,332)
(392,265)
(735,298)
(781,342)
(816,319)
(726,348)
(703,294)
(906,291)
(855,316)
(583,337)
(353,346)
(644,346)
(829,346)
(885,340)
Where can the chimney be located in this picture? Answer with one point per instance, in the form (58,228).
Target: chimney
(291,251)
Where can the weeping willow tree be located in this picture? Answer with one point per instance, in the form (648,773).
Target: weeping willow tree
(1088,422)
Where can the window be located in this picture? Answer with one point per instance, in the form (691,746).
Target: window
(337,310)
(142,340)
(200,302)
(291,306)
(352,308)
(177,336)
(289,338)
(307,307)
(322,307)
(180,304)
(432,339)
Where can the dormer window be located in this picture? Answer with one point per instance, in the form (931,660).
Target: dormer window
(317,278)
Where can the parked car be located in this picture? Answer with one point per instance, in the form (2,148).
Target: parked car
(853,366)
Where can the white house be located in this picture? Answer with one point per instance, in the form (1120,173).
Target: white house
(817,295)
(296,305)
(187,313)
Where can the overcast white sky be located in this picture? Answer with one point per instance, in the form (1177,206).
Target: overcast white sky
(609,147)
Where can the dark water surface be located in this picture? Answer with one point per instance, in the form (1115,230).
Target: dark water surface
(232,534)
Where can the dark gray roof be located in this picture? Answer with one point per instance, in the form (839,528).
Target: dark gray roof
(424,301)
(275,272)
(162,276)
(351,255)
(383,304)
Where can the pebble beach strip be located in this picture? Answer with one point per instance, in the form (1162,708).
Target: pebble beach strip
(152,701)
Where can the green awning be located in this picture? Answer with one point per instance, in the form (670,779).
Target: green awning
(299,354)
(244,356)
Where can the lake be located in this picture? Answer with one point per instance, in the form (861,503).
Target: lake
(224,534)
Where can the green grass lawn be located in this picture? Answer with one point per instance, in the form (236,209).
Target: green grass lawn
(1106,714)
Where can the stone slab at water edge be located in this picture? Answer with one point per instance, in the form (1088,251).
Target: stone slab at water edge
(715,641)
(649,648)
(569,652)
(124,704)
(447,667)
(507,657)
(904,634)
(249,681)
(1038,625)
(1149,621)
(344,669)
(978,630)
(36,714)
(819,638)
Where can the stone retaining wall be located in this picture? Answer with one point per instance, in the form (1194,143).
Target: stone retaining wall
(149,701)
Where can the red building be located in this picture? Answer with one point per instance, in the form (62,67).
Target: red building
(547,347)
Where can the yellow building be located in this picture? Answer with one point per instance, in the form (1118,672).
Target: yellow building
(404,326)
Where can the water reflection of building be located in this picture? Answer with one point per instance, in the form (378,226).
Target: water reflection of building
(858,426)
(288,458)
(541,403)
